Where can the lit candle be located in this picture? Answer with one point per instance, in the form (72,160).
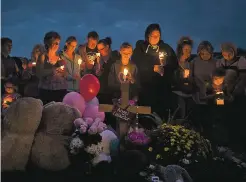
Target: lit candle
(98,54)
(186,73)
(62,67)
(161,55)
(7,100)
(79,61)
(125,73)
(34,63)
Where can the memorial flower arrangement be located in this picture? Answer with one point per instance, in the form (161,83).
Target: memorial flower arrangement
(137,137)
(177,145)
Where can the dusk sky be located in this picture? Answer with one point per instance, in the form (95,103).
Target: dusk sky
(26,22)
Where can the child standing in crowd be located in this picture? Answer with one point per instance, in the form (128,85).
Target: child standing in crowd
(10,95)
(73,62)
(52,82)
(89,53)
(182,83)
(124,71)
(102,69)
(215,88)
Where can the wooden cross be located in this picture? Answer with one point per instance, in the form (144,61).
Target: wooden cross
(124,103)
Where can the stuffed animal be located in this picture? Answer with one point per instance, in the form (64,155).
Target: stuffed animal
(49,149)
(19,126)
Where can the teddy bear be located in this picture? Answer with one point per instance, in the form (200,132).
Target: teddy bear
(49,150)
(19,126)
(37,135)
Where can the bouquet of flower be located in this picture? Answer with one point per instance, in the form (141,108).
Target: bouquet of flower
(177,145)
(138,138)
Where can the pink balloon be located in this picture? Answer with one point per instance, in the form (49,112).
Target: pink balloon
(93,102)
(92,112)
(75,100)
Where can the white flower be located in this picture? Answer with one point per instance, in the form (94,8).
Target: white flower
(75,144)
(188,155)
(185,161)
(94,149)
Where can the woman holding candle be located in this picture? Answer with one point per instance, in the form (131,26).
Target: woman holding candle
(182,83)
(201,70)
(234,83)
(124,70)
(235,69)
(52,80)
(73,63)
(102,68)
(156,62)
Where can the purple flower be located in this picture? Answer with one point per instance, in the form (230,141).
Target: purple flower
(138,137)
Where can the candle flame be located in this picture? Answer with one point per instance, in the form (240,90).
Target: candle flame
(79,61)
(62,67)
(125,71)
(162,55)
(34,63)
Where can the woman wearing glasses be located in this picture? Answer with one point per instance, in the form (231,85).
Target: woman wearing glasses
(51,71)
(73,63)
(102,68)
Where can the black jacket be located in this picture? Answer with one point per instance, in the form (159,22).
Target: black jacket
(145,58)
(103,75)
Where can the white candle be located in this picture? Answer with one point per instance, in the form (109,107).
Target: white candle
(79,61)
(161,55)
(62,67)
(125,73)
(98,54)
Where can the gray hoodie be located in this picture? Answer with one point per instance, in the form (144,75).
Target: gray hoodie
(235,78)
(72,68)
(201,73)
(114,78)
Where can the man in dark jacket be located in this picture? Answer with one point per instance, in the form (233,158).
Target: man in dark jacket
(156,62)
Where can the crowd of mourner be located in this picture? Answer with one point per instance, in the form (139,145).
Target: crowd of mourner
(199,90)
